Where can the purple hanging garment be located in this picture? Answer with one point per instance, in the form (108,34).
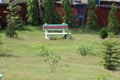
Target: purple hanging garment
(1,1)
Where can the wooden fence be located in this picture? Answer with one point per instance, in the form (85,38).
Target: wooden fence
(102,13)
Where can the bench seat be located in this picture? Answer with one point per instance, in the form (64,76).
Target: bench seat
(65,35)
(58,34)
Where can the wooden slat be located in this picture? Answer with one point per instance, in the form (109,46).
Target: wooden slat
(55,27)
(58,34)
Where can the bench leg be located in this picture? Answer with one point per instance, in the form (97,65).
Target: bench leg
(47,37)
(65,36)
(0,78)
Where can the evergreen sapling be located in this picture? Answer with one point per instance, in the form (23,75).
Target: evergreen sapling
(113,23)
(92,18)
(68,13)
(112,55)
(51,15)
(14,21)
(32,12)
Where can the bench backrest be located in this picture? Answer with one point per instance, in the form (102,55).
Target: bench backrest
(55,27)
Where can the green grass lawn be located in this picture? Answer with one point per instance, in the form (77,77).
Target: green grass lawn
(22,60)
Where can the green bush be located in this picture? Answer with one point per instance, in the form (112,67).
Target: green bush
(103,33)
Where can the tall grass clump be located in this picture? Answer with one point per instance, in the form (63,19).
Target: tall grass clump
(44,52)
(53,61)
(2,50)
(84,49)
(0,44)
(104,76)
(51,58)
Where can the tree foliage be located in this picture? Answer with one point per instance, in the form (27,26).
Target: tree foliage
(113,23)
(92,18)
(32,12)
(68,13)
(14,21)
(50,14)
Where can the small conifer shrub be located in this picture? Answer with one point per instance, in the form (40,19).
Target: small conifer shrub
(112,55)
(113,23)
(103,33)
(92,18)
(51,15)
(14,21)
(68,17)
(32,12)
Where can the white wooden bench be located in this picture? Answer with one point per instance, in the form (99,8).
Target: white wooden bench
(56,29)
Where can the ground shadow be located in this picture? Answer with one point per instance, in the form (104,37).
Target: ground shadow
(7,55)
(74,30)
(81,30)
(24,28)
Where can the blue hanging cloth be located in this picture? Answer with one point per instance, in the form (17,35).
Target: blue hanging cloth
(97,2)
(81,10)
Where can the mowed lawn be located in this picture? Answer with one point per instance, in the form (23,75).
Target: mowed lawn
(22,60)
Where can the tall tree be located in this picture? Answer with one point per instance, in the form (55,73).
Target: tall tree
(113,23)
(92,18)
(51,15)
(68,13)
(32,12)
